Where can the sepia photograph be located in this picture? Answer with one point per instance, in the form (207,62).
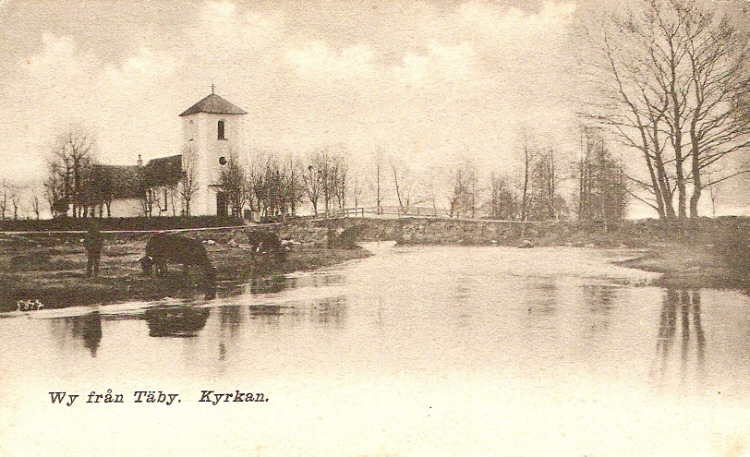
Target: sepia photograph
(375,228)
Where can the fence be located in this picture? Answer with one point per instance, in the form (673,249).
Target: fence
(382,211)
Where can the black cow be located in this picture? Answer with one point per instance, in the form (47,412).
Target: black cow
(265,242)
(163,248)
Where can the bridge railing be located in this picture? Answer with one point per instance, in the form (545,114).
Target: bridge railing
(382,211)
(397,211)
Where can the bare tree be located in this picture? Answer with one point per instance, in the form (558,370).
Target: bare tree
(14,197)
(4,198)
(73,153)
(719,76)
(338,177)
(233,182)
(602,187)
(378,174)
(503,202)
(529,155)
(713,192)
(189,183)
(313,183)
(547,202)
(274,187)
(35,200)
(405,184)
(463,196)
(326,177)
(672,76)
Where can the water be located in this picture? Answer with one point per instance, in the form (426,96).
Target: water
(415,351)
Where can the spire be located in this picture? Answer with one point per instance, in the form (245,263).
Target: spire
(213,88)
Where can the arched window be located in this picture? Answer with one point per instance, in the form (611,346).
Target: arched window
(191,130)
(221,130)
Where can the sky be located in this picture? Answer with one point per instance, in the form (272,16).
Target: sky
(425,82)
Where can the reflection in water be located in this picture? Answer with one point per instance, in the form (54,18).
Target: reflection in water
(543,300)
(89,328)
(330,311)
(268,314)
(600,300)
(176,321)
(276,284)
(688,303)
(230,318)
(387,343)
(264,285)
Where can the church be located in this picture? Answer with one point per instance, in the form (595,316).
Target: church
(186,183)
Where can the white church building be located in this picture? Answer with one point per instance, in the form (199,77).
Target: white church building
(212,130)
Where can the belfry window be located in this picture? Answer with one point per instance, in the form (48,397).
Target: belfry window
(221,130)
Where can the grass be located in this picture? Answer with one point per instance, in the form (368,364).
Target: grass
(52,270)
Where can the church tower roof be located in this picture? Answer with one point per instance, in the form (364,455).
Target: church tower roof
(213,104)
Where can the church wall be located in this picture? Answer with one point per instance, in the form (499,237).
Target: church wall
(202,137)
(125,207)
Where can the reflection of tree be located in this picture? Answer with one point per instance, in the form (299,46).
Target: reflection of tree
(330,311)
(688,303)
(264,285)
(600,300)
(89,328)
(544,298)
(174,321)
(230,318)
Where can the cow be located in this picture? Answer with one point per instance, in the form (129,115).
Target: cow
(163,248)
(265,242)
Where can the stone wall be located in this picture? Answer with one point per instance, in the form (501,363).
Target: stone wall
(465,231)
(416,230)
(410,230)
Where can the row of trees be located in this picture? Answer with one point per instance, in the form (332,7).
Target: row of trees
(19,201)
(323,182)
(273,187)
(673,85)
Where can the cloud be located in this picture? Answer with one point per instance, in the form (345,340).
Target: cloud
(495,22)
(139,69)
(57,58)
(441,63)
(223,29)
(317,59)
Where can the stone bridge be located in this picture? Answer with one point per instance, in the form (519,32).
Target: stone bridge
(410,230)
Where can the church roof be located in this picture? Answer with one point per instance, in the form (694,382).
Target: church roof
(117,181)
(213,104)
(129,181)
(164,171)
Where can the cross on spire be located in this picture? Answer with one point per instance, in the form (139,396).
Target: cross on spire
(213,87)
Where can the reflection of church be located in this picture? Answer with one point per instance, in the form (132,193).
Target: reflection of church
(212,129)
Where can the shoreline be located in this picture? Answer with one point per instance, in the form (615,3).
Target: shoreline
(51,270)
(688,268)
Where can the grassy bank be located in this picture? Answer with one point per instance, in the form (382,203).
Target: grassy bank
(51,269)
(685,266)
(693,254)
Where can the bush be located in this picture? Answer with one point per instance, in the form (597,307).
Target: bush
(734,245)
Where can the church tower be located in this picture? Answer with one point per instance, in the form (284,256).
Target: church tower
(212,129)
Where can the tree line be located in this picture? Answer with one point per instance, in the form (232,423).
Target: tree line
(672,84)
(327,181)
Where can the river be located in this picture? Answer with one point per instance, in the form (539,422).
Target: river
(435,351)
